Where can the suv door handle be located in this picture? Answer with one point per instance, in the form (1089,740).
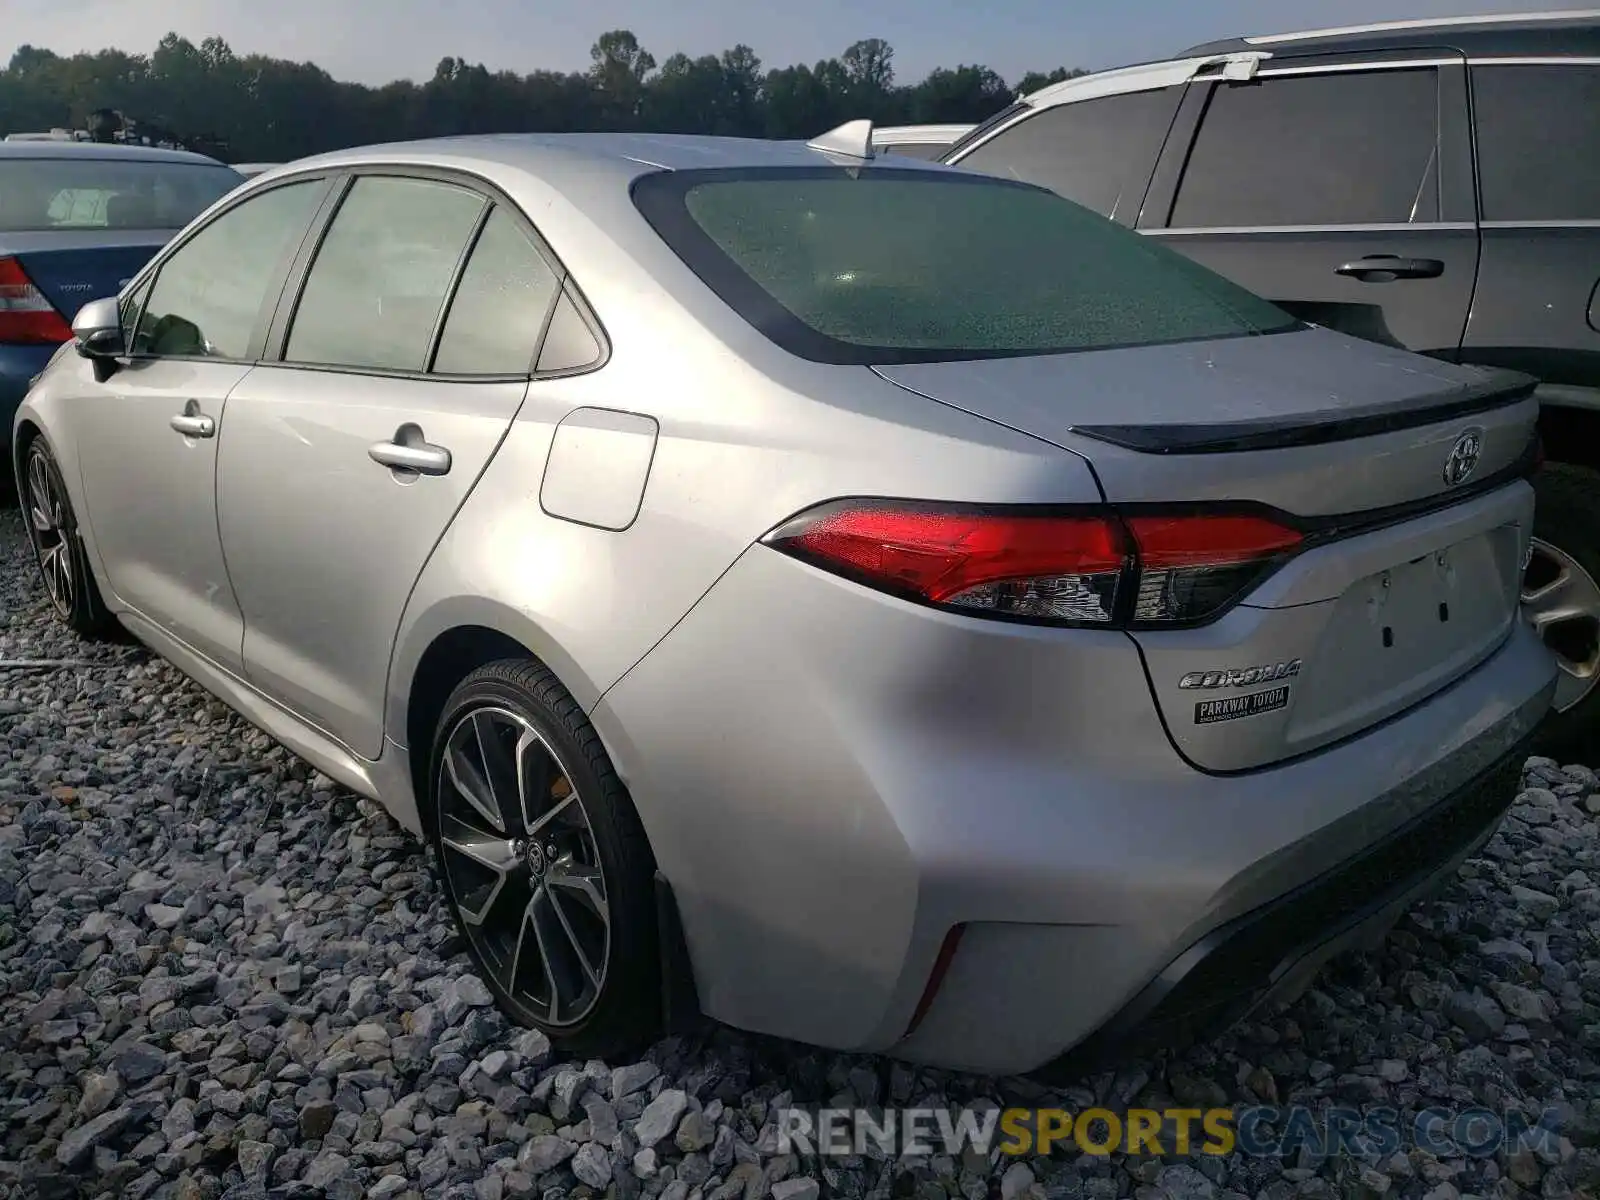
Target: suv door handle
(408,450)
(191,422)
(1386,268)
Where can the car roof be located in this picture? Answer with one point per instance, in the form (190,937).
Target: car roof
(572,163)
(1571,33)
(101,150)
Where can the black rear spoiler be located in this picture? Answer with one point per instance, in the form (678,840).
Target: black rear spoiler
(1499,389)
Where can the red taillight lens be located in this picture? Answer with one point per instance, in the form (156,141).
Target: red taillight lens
(26,317)
(1092,569)
(1060,568)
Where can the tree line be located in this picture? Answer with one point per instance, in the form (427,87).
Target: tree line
(270,109)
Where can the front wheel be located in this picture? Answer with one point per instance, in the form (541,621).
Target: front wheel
(58,549)
(544,862)
(1561,598)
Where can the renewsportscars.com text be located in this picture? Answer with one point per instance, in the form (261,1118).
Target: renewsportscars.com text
(1260,1131)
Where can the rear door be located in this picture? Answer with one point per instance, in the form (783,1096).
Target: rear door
(404,358)
(1340,188)
(1538,302)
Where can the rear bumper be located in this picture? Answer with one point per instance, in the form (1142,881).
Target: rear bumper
(832,780)
(1271,953)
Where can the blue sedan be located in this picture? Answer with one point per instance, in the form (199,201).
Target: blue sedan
(77,219)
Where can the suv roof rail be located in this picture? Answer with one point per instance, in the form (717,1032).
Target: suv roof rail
(853,139)
(1307,35)
(1237,64)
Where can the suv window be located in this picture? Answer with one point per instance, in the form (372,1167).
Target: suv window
(208,296)
(922,150)
(379,280)
(1538,134)
(1098,153)
(500,305)
(1354,148)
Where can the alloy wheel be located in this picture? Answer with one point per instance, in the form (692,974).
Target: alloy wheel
(522,864)
(1562,602)
(52,541)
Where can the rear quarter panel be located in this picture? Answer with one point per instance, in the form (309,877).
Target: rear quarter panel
(748,435)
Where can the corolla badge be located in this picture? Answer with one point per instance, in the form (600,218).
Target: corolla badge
(1463,457)
(1240,676)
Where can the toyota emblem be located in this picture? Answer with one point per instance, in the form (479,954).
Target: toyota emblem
(1463,458)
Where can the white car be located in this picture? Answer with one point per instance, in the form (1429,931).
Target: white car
(917,141)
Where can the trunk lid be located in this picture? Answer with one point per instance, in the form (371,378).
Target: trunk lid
(1405,581)
(73,267)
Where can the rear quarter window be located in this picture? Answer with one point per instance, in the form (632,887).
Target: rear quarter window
(903,265)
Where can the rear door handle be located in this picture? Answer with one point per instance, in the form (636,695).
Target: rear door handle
(409,450)
(1386,268)
(191,422)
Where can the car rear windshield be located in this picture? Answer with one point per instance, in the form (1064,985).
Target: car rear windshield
(895,265)
(38,194)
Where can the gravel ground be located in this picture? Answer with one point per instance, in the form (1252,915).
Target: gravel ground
(221,974)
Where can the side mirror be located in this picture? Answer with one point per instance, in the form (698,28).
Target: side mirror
(97,333)
(98,329)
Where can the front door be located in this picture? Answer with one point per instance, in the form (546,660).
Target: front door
(148,435)
(1341,190)
(345,462)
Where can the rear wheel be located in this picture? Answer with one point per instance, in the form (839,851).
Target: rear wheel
(544,861)
(58,549)
(1561,597)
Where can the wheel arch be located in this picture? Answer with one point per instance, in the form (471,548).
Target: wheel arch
(27,431)
(440,649)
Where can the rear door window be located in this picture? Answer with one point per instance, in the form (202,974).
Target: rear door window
(1098,153)
(1538,141)
(1348,148)
(375,290)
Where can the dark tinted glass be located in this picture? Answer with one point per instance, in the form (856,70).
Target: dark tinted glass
(107,193)
(379,280)
(500,306)
(1538,141)
(923,150)
(915,266)
(1356,148)
(209,294)
(1097,152)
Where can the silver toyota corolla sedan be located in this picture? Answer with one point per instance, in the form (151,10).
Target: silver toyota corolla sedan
(857,600)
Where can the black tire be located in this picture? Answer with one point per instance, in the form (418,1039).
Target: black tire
(58,549)
(1568,519)
(496,706)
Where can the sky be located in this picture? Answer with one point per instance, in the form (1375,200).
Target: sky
(375,41)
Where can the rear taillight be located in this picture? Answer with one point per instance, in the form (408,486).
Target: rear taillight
(1096,569)
(1194,566)
(26,317)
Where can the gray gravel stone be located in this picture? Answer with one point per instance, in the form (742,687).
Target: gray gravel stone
(223,977)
